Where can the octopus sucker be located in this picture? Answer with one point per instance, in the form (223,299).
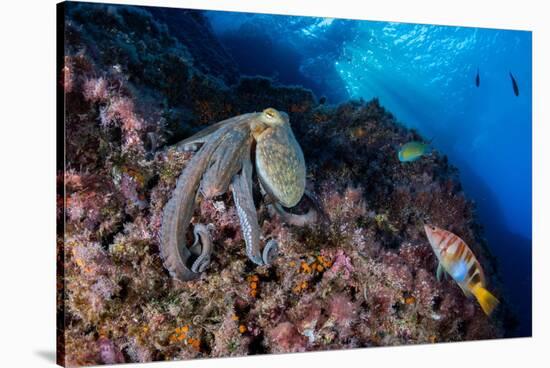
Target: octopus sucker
(223,162)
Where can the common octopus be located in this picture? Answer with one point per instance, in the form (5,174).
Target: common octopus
(223,160)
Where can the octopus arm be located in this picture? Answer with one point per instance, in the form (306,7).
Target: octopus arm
(241,186)
(308,218)
(214,131)
(177,216)
(202,248)
(226,161)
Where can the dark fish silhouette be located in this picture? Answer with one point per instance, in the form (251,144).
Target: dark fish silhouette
(322,100)
(477,78)
(514,85)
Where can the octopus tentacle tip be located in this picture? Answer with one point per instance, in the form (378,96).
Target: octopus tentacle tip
(202,248)
(201,264)
(256,260)
(270,252)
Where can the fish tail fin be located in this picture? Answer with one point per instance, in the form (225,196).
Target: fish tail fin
(486,300)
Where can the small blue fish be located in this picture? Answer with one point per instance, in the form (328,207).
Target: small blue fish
(412,151)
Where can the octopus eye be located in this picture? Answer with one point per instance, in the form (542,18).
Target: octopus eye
(272,117)
(269,113)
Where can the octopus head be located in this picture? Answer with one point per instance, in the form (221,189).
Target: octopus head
(279,159)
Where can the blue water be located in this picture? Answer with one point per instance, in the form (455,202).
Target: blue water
(425,75)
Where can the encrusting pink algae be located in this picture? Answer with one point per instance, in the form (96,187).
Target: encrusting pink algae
(363,276)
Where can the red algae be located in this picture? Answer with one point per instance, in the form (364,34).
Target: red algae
(285,338)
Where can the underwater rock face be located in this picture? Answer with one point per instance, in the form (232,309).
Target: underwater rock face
(193,30)
(364,277)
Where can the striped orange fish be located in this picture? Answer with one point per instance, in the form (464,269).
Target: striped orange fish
(457,259)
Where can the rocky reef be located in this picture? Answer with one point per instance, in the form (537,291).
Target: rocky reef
(363,277)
